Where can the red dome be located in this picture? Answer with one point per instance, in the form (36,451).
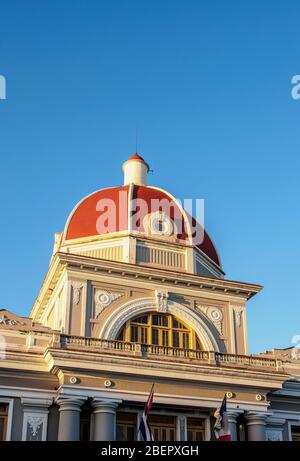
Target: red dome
(90,217)
(85,217)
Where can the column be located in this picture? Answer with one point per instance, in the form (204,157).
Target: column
(256,424)
(105,419)
(231,419)
(69,418)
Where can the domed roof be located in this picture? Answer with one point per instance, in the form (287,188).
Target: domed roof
(118,210)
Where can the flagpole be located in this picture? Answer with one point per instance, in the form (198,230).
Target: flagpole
(149,396)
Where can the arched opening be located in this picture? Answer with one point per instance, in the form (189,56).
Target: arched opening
(159,329)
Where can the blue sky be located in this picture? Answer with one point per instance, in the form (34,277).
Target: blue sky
(207,84)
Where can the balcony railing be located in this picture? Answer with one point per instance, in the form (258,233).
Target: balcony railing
(164,352)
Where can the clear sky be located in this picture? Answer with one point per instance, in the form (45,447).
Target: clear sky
(207,83)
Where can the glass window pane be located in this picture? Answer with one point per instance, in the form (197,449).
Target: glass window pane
(185,340)
(134,334)
(2,428)
(144,335)
(165,337)
(164,321)
(130,433)
(199,436)
(295,433)
(175,323)
(175,339)
(120,336)
(155,336)
(142,319)
(198,344)
(154,319)
(119,434)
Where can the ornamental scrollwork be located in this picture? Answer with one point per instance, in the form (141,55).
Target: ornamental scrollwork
(103,299)
(162,300)
(215,315)
(76,292)
(34,423)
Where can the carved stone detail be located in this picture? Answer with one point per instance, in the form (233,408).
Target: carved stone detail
(103,299)
(214,314)
(273,436)
(34,423)
(4,320)
(76,292)
(162,300)
(238,312)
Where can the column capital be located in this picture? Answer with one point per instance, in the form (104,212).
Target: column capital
(70,403)
(233,414)
(105,406)
(256,417)
(33,403)
(275,421)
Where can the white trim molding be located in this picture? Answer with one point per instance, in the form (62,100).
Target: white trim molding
(9,416)
(290,424)
(131,309)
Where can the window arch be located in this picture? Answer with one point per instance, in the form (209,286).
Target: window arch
(160,330)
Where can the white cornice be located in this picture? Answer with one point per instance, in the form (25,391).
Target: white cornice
(86,264)
(87,361)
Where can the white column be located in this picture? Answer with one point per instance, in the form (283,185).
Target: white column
(105,419)
(181,428)
(232,424)
(256,424)
(69,418)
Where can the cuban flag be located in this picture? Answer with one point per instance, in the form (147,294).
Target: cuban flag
(144,425)
(221,427)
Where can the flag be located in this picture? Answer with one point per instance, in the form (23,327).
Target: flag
(144,425)
(221,427)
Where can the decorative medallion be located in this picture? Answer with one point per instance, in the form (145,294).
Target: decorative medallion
(159,223)
(214,314)
(103,299)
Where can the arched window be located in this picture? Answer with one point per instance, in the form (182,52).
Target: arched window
(161,330)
